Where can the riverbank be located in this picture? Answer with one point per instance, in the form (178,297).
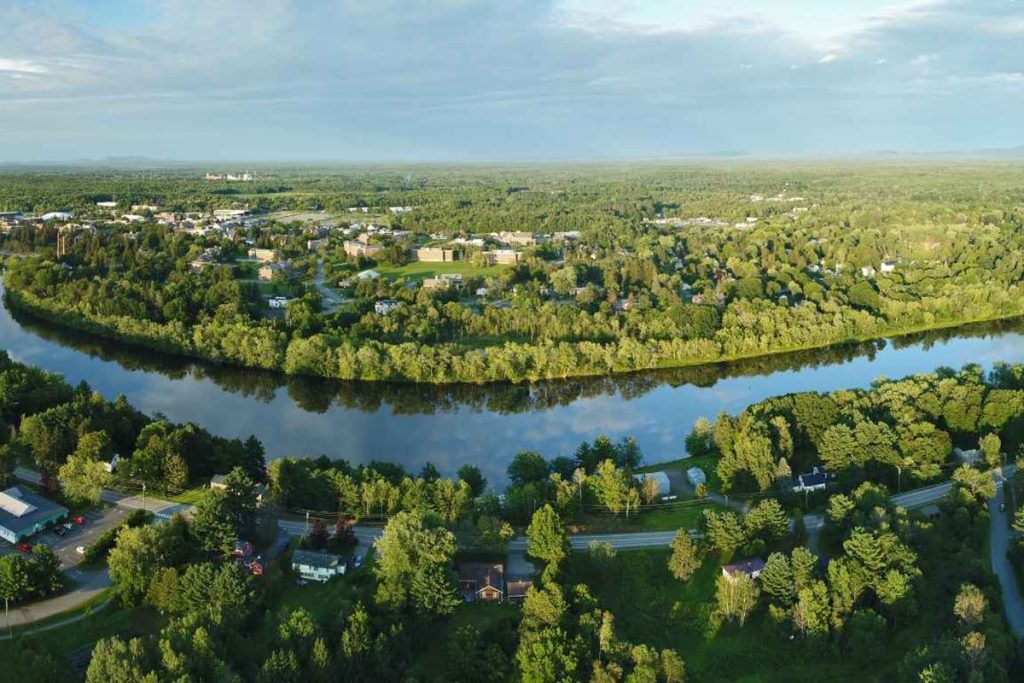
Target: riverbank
(177,341)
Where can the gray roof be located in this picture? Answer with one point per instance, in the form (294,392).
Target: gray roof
(310,558)
(21,509)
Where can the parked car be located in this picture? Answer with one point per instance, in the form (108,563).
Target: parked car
(61,531)
(25,547)
(79,520)
(68,525)
(1002,507)
(80,550)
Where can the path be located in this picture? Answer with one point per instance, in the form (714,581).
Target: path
(330,298)
(1001,536)
(89,585)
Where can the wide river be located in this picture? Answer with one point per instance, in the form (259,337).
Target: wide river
(484,425)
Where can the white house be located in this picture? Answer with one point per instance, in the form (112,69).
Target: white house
(811,481)
(56,216)
(278,302)
(867,271)
(317,566)
(385,306)
(368,275)
(887,266)
(112,464)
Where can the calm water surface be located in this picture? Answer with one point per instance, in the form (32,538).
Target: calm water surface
(487,425)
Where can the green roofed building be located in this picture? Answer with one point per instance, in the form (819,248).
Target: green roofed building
(23,513)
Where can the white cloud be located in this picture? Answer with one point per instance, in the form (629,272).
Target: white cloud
(830,57)
(21,66)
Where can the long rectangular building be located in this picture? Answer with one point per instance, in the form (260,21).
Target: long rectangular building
(23,513)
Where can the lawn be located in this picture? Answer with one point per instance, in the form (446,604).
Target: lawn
(431,663)
(668,517)
(652,607)
(67,647)
(419,270)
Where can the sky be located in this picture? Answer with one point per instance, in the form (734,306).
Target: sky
(486,80)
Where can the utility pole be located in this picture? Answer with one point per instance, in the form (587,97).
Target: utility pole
(307,523)
(143,495)
(899,479)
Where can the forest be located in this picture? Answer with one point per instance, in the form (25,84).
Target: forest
(667,266)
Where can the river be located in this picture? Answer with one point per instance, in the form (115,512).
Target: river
(484,425)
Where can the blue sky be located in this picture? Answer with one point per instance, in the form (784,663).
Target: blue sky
(478,80)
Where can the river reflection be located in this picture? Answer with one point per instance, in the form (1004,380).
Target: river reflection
(453,424)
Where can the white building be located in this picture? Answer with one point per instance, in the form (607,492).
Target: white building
(316,566)
(278,302)
(368,275)
(385,306)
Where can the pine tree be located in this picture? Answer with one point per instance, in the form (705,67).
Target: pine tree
(777,579)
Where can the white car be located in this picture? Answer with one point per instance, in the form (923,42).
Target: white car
(80,550)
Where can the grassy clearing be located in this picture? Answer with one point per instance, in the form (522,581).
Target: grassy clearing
(667,518)
(59,649)
(419,270)
(432,662)
(652,607)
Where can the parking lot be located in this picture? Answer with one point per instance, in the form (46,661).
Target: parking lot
(96,522)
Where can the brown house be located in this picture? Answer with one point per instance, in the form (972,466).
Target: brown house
(483,581)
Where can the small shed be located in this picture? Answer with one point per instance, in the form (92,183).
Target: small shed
(696,476)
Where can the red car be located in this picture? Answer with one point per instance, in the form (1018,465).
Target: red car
(25,547)
(78,520)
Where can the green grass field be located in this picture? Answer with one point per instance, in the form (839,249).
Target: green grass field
(419,270)
(652,607)
(668,517)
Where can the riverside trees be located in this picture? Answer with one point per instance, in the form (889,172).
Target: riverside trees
(646,284)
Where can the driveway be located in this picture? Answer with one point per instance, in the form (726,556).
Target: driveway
(1002,536)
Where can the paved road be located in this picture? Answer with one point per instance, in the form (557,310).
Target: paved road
(90,584)
(1002,535)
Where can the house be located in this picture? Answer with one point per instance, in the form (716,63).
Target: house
(385,306)
(867,271)
(752,568)
(217,482)
(368,275)
(484,581)
(887,267)
(481,291)
(23,513)
(811,481)
(263,255)
(107,205)
(278,302)
(516,589)
(660,478)
(696,476)
(317,566)
(313,245)
(435,255)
